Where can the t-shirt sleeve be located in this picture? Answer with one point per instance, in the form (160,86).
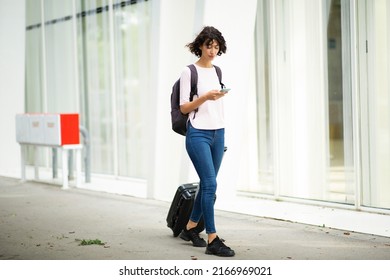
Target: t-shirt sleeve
(185,86)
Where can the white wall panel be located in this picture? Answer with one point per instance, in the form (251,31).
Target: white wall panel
(12,38)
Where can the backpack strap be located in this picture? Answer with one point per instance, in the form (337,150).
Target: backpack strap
(194,81)
(194,84)
(219,73)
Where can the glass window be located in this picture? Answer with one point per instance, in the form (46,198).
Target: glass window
(94,49)
(60,63)
(132,53)
(304,100)
(114,106)
(341,162)
(34,68)
(375,101)
(95,61)
(265,139)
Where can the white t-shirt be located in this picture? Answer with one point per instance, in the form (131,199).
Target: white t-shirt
(210,114)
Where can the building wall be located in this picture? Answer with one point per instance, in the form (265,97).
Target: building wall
(12,46)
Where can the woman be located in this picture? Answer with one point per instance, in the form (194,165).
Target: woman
(205,138)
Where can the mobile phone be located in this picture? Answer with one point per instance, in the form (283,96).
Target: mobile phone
(225,90)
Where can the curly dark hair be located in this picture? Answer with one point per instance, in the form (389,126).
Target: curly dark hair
(206,36)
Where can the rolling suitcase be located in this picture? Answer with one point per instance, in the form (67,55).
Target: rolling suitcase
(181,207)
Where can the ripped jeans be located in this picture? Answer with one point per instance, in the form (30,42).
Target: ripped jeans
(205,149)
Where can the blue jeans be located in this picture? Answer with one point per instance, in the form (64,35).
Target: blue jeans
(205,148)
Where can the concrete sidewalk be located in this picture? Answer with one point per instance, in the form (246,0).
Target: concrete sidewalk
(41,221)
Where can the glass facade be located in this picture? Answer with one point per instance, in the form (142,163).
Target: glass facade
(374,86)
(95,49)
(321,106)
(341,164)
(263,99)
(34,61)
(94,60)
(322,96)
(132,39)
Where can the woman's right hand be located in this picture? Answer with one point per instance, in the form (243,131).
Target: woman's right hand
(210,95)
(214,94)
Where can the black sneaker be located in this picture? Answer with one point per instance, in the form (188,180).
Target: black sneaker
(193,236)
(218,248)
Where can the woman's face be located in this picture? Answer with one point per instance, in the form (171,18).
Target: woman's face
(210,50)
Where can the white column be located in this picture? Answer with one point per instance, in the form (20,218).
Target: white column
(12,81)
(236,21)
(169,59)
(300,122)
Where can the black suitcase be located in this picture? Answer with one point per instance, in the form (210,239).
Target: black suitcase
(181,207)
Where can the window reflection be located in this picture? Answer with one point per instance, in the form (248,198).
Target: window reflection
(341,164)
